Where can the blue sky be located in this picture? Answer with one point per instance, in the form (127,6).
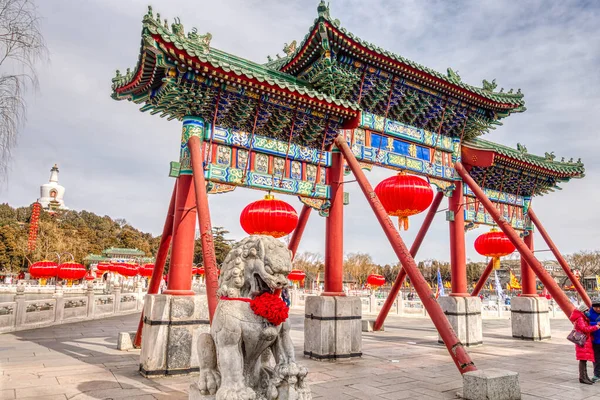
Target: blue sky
(114,159)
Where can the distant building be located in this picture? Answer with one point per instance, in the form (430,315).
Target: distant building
(115,254)
(51,193)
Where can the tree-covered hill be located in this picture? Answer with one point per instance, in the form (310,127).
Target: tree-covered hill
(76,232)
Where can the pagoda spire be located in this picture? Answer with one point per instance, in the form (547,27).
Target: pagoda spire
(54,174)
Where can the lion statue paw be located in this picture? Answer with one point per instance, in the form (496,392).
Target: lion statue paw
(235,391)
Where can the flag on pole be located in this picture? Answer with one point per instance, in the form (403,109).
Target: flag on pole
(597,282)
(499,290)
(440,285)
(514,283)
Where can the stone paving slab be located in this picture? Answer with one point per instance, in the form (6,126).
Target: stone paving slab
(80,361)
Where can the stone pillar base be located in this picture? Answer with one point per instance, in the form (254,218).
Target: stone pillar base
(530,318)
(332,327)
(172,325)
(464,314)
(491,384)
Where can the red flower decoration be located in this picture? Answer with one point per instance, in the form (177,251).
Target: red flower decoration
(271,307)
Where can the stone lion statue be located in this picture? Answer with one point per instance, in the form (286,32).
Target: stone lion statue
(249,354)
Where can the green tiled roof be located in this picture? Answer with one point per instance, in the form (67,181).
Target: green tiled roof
(451,77)
(571,168)
(129,252)
(199,47)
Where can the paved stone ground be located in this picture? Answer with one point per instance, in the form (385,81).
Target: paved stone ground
(80,361)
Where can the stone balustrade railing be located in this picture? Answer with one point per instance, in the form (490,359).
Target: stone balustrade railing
(414,308)
(23,313)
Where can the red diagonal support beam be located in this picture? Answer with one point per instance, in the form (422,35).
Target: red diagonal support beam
(559,296)
(206,236)
(484,277)
(159,264)
(456,349)
(297,235)
(561,260)
(383,313)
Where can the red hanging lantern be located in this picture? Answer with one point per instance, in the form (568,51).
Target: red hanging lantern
(104,266)
(146,270)
(269,216)
(127,269)
(200,271)
(43,269)
(494,244)
(89,276)
(71,271)
(375,280)
(404,195)
(296,275)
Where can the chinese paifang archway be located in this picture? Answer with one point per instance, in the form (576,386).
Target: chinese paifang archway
(293,124)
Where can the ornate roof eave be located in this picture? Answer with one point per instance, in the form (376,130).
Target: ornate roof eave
(529,162)
(450,84)
(159,43)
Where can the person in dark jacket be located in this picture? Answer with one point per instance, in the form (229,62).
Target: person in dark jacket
(581,324)
(594,316)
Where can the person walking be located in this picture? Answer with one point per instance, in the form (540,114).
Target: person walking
(585,353)
(594,316)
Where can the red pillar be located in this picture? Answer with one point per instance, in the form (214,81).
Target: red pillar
(484,277)
(334,229)
(413,252)
(561,260)
(560,297)
(455,348)
(458,262)
(206,237)
(184,230)
(297,235)
(159,264)
(527,275)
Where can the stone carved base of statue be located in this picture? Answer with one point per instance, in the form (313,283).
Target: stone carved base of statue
(172,325)
(249,354)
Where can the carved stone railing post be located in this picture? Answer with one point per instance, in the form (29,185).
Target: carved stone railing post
(20,307)
(59,310)
(117,294)
(90,299)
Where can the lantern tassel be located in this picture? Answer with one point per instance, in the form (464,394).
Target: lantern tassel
(496,262)
(403,223)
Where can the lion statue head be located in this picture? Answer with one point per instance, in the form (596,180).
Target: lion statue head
(255,265)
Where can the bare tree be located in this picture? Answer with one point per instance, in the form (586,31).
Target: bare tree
(311,264)
(21,46)
(587,262)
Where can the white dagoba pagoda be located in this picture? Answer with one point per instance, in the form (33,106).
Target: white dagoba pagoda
(52,193)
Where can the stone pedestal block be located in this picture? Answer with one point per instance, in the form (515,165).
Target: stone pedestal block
(332,327)
(367,325)
(464,314)
(125,341)
(172,325)
(491,384)
(530,318)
